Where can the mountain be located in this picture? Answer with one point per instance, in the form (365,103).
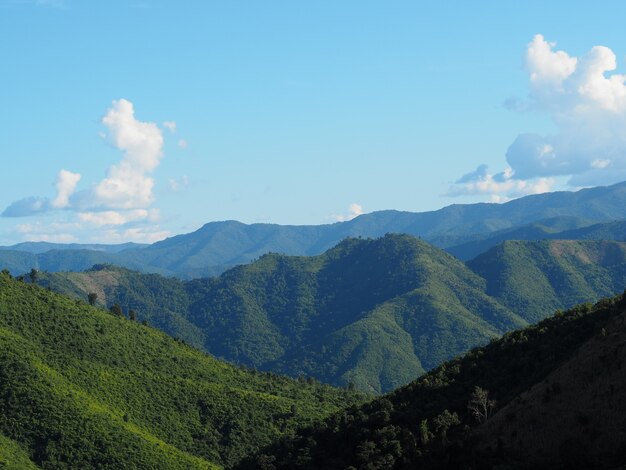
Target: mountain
(536,278)
(565,228)
(82,388)
(370,312)
(218,246)
(42,247)
(547,396)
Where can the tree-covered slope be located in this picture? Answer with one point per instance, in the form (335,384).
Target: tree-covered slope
(535,278)
(439,420)
(374,313)
(81,388)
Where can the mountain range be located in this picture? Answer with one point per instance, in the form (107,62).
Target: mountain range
(374,313)
(464,230)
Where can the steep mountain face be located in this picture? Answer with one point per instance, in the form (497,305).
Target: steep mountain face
(536,278)
(374,313)
(220,245)
(533,380)
(81,388)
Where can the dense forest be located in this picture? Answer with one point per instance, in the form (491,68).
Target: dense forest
(374,313)
(82,387)
(547,396)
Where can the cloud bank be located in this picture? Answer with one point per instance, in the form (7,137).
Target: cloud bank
(586,100)
(124,196)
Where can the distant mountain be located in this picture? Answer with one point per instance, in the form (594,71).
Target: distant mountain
(548,396)
(566,228)
(218,246)
(536,278)
(82,388)
(42,247)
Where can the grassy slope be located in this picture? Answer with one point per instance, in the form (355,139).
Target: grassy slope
(385,434)
(82,388)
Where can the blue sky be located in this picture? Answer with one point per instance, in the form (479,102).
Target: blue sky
(132,121)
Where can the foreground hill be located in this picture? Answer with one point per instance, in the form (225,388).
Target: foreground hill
(373,313)
(218,246)
(81,388)
(557,390)
(536,278)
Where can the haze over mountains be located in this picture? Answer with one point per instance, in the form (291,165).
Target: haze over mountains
(219,245)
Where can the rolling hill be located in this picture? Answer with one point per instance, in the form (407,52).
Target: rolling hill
(82,388)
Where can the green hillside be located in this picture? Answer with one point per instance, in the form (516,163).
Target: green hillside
(536,278)
(373,313)
(492,408)
(81,388)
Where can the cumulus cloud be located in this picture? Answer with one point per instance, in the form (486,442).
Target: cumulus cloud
(65,184)
(586,100)
(354,211)
(124,196)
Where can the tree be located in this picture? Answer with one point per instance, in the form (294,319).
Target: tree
(92,297)
(132,315)
(479,405)
(425,434)
(443,422)
(34,275)
(117,310)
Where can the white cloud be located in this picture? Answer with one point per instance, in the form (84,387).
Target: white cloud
(66,185)
(182,143)
(113,217)
(119,205)
(546,65)
(586,101)
(354,211)
(588,106)
(499,187)
(170,126)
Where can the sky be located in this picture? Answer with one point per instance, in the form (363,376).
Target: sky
(138,120)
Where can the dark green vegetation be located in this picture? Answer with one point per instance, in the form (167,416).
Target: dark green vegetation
(548,396)
(373,313)
(218,246)
(81,388)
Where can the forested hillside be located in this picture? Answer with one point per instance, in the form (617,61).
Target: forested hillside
(515,403)
(537,278)
(372,313)
(83,388)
